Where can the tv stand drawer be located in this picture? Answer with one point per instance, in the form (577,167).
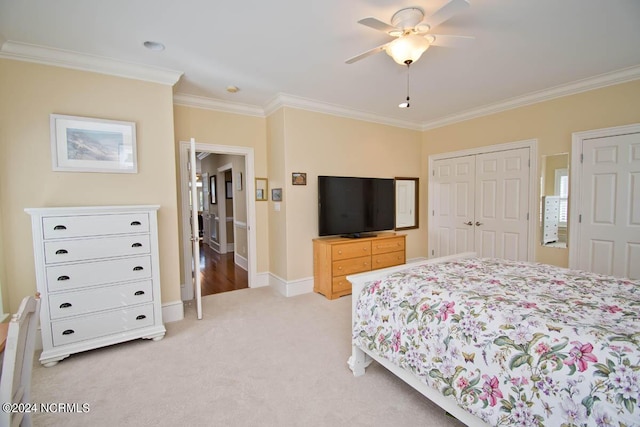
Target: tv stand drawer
(383,246)
(351,250)
(387,260)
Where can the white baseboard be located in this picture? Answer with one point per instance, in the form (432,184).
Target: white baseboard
(241,261)
(172,311)
(261,280)
(412,260)
(291,288)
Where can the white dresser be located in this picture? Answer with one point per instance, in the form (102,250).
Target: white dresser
(550,218)
(97,270)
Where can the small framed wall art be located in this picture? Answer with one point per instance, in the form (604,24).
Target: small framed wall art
(83,144)
(276,194)
(299,178)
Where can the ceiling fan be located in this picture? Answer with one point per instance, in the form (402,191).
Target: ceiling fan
(411,31)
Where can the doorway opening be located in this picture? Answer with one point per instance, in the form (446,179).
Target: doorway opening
(226,219)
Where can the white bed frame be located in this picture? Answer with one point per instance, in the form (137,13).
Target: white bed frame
(362,357)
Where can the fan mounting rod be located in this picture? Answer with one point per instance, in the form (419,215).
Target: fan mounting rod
(407,18)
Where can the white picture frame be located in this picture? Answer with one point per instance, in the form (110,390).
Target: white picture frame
(84,144)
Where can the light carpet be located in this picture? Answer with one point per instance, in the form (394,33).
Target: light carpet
(256,359)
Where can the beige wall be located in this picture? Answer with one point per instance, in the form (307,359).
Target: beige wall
(219,128)
(30,93)
(551,123)
(321,144)
(276,140)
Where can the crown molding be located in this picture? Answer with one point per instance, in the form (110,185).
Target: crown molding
(217,105)
(81,61)
(579,86)
(284,100)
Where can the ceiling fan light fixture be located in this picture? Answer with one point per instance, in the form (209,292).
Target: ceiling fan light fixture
(407,48)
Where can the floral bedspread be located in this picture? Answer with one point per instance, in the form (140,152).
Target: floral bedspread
(515,343)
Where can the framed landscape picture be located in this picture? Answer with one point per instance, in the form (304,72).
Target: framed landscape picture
(82,144)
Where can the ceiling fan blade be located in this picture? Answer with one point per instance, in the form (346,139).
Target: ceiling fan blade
(367,53)
(376,24)
(446,12)
(450,41)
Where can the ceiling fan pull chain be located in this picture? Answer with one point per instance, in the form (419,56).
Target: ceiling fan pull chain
(406,103)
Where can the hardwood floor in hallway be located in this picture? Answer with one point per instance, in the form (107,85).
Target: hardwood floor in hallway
(219,273)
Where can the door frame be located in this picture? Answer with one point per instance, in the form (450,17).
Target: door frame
(575,181)
(532,144)
(186,292)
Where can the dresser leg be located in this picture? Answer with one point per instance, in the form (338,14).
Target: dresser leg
(155,337)
(48,363)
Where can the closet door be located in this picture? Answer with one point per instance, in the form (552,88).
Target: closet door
(453,185)
(502,204)
(608,229)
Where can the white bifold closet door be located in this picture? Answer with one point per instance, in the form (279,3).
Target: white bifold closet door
(608,227)
(482,204)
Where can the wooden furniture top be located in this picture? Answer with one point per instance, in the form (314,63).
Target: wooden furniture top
(4,329)
(339,239)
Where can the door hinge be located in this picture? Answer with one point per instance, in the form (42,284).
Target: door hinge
(581,158)
(580,218)
(529,162)
(432,252)
(527,216)
(433,213)
(433,172)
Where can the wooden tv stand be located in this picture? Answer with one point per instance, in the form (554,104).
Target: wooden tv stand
(336,257)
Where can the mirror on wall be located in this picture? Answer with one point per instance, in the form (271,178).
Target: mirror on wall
(554,200)
(407,196)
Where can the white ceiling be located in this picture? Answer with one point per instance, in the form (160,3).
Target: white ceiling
(293,51)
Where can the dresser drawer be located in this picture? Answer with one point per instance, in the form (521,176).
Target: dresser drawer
(65,304)
(72,276)
(351,266)
(98,325)
(94,225)
(93,248)
(340,284)
(350,250)
(388,260)
(387,245)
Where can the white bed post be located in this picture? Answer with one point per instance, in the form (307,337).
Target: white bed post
(358,361)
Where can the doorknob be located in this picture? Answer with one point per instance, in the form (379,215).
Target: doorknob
(468,223)
(478,224)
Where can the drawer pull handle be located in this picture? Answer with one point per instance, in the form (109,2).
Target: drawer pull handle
(137,268)
(140,317)
(136,245)
(61,252)
(65,305)
(61,278)
(59,227)
(69,332)
(136,223)
(139,293)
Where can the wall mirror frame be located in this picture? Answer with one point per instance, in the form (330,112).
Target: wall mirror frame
(554,200)
(407,201)
(262,186)
(212,189)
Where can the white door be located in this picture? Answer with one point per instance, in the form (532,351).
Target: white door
(608,227)
(195,232)
(481,204)
(453,185)
(502,204)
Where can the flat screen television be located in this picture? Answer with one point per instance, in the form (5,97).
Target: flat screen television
(355,207)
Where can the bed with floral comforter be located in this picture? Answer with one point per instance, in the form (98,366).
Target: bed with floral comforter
(514,343)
